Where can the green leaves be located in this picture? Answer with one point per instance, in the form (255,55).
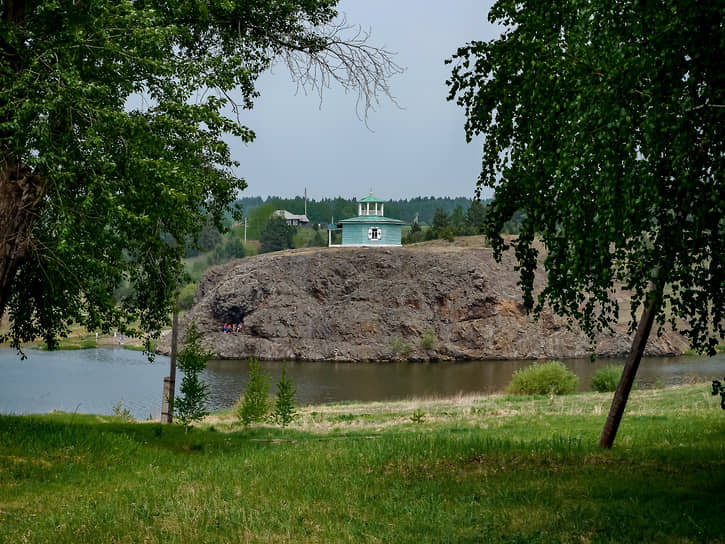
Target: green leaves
(599,122)
(121,108)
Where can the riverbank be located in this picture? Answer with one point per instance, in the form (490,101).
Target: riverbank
(468,469)
(80,338)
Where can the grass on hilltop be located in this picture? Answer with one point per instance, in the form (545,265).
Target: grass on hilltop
(470,469)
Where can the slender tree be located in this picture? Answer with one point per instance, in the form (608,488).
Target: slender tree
(113,119)
(190,406)
(604,123)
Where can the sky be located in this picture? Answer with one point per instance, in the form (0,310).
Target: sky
(417,149)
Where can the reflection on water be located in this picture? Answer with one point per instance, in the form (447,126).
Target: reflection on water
(93,381)
(89,381)
(331,382)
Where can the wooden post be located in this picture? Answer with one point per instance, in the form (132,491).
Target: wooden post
(167,404)
(630,371)
(166,411)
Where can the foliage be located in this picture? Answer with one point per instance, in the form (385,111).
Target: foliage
(396,345)
(117,120)
(254,405)
(414,235)
(606,379)
(719,388)
(324,210)
(277,235)
(190,405)
(121,412)
(441,221)
(309,237)
(232,248)
(428,339)
(604,124)
(399,347)
(418,416)
(185,300)
(284,407)
(551,378)
(257,219)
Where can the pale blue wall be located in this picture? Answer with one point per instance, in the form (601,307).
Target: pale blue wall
(357,233)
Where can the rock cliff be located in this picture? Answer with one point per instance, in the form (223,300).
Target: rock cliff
(423,302)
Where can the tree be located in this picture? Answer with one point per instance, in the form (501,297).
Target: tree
(475,217)
(458,221)
(284,405)
(277,235)
(190,406)
(112,153)
(254,405)
(441,222)
(604,123)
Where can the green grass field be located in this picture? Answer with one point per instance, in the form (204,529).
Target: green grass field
(470,469)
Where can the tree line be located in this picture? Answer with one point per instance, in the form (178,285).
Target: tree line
(327,210)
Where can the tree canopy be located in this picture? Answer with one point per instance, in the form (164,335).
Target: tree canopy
(604,123)
(113,115)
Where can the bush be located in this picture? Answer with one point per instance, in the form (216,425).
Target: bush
(606,379)
(428,339)
(551,378)
(254,404)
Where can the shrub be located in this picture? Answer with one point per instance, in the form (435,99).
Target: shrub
(254,404)
(551,378)
(607,378)
(428,339)
(120,411)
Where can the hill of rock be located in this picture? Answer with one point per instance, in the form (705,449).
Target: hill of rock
(430,301)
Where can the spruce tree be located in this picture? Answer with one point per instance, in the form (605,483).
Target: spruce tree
(191,404)
(255,402)
(284,407)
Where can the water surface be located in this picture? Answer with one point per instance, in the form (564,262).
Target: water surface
(94,381)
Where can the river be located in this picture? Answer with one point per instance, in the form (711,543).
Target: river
(96,380)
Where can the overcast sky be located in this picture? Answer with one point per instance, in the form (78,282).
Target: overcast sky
(419,150)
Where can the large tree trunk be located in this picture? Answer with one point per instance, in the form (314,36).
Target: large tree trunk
(630,371)
(20,196)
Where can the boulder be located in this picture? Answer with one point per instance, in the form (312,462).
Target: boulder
(431,301)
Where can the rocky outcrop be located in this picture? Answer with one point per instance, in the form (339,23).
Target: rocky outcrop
(423,302)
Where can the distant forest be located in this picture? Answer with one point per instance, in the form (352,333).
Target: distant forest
(323,211)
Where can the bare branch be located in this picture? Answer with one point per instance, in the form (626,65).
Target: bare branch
(347,59)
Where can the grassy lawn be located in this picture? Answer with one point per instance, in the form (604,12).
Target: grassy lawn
(469,469)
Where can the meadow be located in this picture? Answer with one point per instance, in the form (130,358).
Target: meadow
(493,468)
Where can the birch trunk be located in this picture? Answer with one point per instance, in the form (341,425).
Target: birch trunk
(621,395)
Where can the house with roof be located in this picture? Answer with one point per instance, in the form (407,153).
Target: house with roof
(292,219)
(370,228)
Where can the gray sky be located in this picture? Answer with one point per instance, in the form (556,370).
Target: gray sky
(419,150)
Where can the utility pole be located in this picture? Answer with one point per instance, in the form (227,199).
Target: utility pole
(245,230)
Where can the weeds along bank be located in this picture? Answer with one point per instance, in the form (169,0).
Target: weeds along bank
(468,469)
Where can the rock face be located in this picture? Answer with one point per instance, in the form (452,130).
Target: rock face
(424,302)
